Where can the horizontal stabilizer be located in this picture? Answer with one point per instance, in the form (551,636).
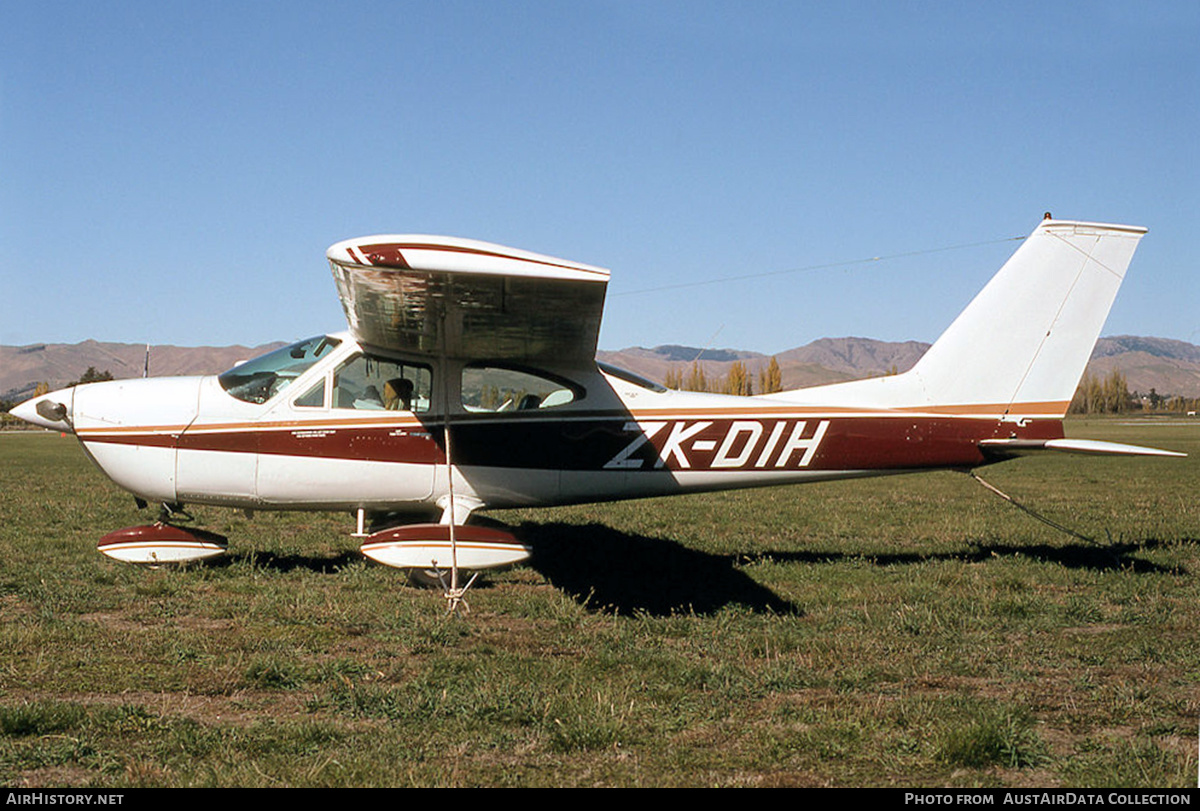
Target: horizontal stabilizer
(1007,448)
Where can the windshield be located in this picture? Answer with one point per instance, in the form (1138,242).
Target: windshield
(258,380)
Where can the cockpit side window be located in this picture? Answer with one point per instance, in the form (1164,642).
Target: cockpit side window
(501,388)
(372,383)
(313,398)
(258,380)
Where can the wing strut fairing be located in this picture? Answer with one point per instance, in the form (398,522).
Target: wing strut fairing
(466,299)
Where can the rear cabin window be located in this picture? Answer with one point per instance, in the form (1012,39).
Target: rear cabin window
(503,389)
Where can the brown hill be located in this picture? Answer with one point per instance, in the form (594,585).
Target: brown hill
(828,360)
(1168,366)
(858,357)
(22,368)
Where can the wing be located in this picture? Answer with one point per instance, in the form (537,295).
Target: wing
(429,295)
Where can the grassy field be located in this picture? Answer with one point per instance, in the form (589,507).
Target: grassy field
(907,631)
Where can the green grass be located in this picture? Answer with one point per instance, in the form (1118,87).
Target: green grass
(907,631)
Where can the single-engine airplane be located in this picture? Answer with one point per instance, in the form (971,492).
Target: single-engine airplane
(468,380)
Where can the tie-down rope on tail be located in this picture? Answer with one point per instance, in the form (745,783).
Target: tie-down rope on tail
(1029,511)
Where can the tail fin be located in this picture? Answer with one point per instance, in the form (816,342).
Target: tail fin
(1021,346)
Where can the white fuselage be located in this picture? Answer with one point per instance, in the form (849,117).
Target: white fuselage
(189,440)
(490,390)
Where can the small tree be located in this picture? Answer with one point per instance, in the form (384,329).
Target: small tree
(696,380)
(91,376)
(1107,396)
(1116,393)
(770,379)
(738,380)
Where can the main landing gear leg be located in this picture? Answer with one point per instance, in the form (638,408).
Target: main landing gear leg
(455,511)
(360,530)
(169,510)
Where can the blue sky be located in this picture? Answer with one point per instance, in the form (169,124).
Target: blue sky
(172,172)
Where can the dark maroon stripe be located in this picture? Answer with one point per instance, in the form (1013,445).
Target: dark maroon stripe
(388,254)
(859,443)
(384,255)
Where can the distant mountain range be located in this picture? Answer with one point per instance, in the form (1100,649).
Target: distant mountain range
(828,360)
(1169,367)
(22,368)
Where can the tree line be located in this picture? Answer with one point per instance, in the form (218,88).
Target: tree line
(738,380)
(1110,395)
(90,376)
(1096,395)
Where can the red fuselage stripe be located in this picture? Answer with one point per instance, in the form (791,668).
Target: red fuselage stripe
(645,442)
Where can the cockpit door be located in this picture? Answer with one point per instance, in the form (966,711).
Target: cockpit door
(352,436)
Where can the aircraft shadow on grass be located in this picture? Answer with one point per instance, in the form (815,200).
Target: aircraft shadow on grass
(289,563)
(1078,555)
(626,573)
(631,573)
(600,567)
